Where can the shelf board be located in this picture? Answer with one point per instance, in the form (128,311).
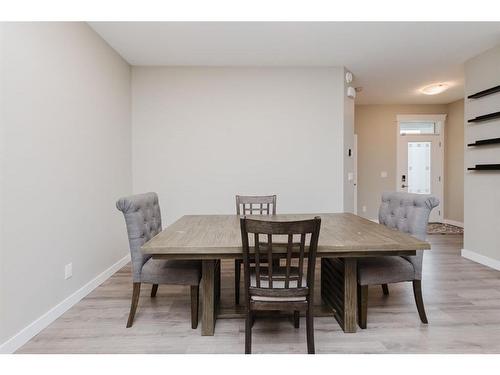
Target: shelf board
(489,116)
(486,92)
(484,142)
(485,167)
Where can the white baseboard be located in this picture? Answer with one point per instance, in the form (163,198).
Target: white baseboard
(27,333)
(481,259)
(453,222)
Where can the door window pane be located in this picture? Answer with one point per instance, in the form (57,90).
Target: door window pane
(418,127)
(419,167)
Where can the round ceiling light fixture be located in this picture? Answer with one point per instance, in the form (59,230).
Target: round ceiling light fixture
(434,89)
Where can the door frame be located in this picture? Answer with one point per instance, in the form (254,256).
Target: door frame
(355,165)
(441,119)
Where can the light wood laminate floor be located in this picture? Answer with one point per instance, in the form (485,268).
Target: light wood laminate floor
(462,300)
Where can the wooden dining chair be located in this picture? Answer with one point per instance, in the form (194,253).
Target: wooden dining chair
(143,219)
(250,205)
(284,288)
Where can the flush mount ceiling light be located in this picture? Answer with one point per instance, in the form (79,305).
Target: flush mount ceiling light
(434,89)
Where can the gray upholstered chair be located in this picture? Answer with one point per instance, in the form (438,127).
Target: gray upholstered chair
(407,213)
(143,218)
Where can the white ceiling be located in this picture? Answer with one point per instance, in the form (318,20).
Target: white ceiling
(391,61)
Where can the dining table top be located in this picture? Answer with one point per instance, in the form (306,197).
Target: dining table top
(219,236)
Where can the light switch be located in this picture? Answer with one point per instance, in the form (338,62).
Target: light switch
(383,174)
(350,176)
(68,271)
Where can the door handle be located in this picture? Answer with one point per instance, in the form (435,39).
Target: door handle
(404,186)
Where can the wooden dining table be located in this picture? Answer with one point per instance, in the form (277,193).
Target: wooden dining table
(344,237)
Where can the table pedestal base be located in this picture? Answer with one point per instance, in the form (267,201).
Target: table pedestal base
(338,293)
(210,294)
(339,290)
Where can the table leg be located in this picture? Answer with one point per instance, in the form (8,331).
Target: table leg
(350,294)
(339,290)
(210,284)
(217,284)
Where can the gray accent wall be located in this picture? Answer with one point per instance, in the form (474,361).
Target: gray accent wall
(482,189)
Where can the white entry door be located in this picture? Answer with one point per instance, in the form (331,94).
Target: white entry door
(420,165)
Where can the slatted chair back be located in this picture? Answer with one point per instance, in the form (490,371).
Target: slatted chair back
(256,205)
(287,281)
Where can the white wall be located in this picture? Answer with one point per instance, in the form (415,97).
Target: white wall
(481,189)
(202,135)
(65,152)
(348,145)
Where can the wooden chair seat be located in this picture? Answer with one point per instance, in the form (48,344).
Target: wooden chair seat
(277,299)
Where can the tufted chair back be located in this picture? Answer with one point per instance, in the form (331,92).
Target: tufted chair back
(408,213)
(143,218)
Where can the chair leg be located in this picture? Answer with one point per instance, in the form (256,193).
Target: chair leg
(296,319)
(385,289)
(195,289)
(417,292)
(133,306)
(248,332)
(154,289)
(237,278)
(362,305)
(310,329)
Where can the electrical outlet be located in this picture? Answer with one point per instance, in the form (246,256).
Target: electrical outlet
(363,208)
(68,271)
